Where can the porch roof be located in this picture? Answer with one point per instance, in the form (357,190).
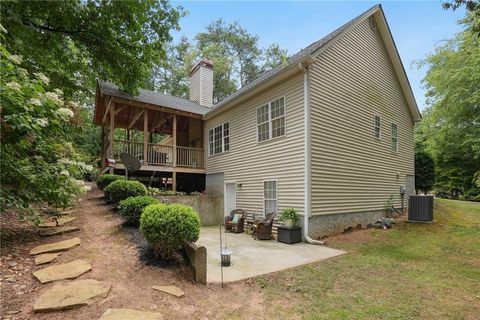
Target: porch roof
(149,97)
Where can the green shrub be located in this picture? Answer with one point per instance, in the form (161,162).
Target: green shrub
(289,215)
(131,208)
(105,179)
(122,189)
(167,226)
(153,191)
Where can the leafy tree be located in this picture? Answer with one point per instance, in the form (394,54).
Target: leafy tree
(236,55)
(274,55)
(455,4)
(39,162)
(73,41)
(450,129)
(170,76)
(424,172)
(471,5)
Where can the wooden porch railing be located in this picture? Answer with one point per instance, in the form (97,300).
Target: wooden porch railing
(132,147)
(161,155)
(190,157)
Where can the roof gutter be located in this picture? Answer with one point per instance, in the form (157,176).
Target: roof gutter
(305,67)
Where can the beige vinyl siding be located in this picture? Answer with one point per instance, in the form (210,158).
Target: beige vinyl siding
(351,82)
(201,86)
(249,162)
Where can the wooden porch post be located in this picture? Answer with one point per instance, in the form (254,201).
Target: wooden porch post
(111,133)
(174,180)
(174,133)
(145,137)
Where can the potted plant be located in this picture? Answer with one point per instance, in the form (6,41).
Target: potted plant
(289,217)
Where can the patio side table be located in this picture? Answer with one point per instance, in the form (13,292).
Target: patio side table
(289,235)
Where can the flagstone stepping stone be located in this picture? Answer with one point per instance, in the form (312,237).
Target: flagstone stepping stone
(68,270)
(46,258)
(45,232)
(177,292)
(70,295)
(61,221)
(56,247)
(123,314)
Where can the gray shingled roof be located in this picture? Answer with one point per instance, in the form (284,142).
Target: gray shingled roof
(155,98)
(292,60)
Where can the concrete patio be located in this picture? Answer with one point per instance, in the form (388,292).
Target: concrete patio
(252,258)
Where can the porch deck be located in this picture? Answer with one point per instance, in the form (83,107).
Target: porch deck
(252,258)
(159,157)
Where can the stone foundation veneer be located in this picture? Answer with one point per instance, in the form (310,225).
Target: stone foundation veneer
(332,224)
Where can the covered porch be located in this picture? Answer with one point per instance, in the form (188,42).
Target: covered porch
(168,140)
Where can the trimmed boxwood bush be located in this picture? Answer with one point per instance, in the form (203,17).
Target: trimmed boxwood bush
(122,189)
(167,226)
(105,179)
(131,208)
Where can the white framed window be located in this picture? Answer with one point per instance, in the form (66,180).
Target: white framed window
(377,127)
(270,199)
(394,134)
(219,139)
(271,120)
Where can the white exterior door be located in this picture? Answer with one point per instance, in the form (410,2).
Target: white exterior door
(230,197)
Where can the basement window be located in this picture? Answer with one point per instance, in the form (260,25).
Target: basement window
(394,133)
(377,127)
(219,139)
(271,120)
(270,196)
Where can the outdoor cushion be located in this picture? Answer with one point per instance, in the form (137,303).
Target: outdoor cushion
(236,217)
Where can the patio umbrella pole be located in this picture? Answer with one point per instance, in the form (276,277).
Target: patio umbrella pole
(221,264)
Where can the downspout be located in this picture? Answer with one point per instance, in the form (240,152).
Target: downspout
(306,121)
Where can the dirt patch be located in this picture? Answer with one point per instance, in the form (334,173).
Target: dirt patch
(361,235)
(118,254)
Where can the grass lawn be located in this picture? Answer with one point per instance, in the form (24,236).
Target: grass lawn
(413,271)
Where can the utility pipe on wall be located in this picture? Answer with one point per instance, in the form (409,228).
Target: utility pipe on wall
(306,119)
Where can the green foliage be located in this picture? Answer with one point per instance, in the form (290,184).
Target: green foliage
(167,226)
(74,42)
(424,172)
(237,57)
(39,163)
(449,130)
(122,189)
(105,179)
(162,192)
(131,208)
(289,214)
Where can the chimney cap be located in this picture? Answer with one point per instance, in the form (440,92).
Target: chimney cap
(202,63)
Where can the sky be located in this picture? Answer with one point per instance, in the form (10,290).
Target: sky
(417,26)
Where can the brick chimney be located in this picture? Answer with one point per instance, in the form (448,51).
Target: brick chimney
(201,83)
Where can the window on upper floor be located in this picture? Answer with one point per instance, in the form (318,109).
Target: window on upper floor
(271,120)
(269,197)
(219,139)
(377,127)
(394,135)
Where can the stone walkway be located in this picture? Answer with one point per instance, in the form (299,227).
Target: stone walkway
(77,293)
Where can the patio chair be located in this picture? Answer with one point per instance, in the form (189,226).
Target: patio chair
(235,224)
(262,229)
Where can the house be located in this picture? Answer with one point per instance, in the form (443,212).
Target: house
(329,132)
